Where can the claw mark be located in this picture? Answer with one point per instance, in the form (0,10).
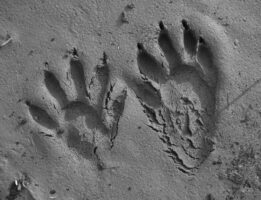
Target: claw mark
(74,53)
(140,46)
(161,25)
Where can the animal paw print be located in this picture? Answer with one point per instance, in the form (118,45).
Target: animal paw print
(88,122)
(177,91)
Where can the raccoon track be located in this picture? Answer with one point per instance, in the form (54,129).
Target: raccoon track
(182,110)
(81,109)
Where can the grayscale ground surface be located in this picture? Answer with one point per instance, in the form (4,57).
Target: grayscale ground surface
(145,99)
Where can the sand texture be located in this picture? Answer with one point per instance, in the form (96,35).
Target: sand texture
(130,100)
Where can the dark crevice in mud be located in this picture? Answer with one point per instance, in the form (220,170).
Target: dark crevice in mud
(117,109)
(166,139)
(191,144)
(174,155)
(108,96)
(151,114)
(188,154)
(186,101)
(153,128)
(184,171)
(45,134)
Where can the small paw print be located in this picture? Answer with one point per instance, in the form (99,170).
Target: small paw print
(88,122)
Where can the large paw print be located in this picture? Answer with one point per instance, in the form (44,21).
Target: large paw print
(177,91)
(91,120)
